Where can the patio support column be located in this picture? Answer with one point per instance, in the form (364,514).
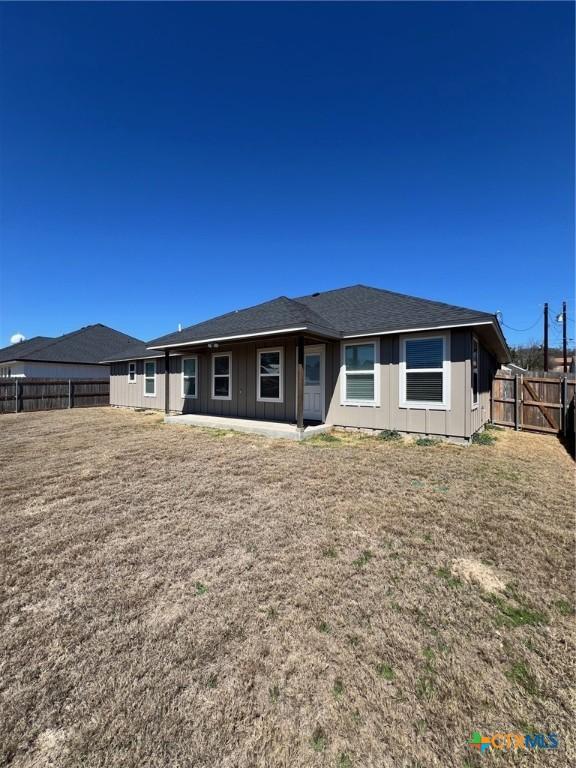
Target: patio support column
(166,381)
(300,384)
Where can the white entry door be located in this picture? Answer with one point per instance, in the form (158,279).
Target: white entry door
(314,383)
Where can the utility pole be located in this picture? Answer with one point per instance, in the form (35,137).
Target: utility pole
(546,336)
(564,339)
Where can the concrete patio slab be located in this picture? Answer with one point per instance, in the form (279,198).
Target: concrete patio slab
(274,429)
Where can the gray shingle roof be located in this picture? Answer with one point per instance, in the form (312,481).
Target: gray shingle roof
(136,350)
(361,309)
(343,312)
(86,345)
(272,315)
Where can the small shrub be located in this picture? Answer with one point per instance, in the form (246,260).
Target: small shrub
(483,438)
(364,559)
(427,441)
(272,612)
(324,627)
(212,681)
(201,589)
(344,761)
(519,673)
(493,427)
(389,434)
(385,671)
(319,740)
(325,437)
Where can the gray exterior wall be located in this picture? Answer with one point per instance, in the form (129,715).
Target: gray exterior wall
(461,420)
(243,403)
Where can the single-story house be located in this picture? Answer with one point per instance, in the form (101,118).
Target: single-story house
(75,355)
(355,357)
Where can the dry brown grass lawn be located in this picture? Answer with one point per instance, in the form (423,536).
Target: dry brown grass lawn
(180,597)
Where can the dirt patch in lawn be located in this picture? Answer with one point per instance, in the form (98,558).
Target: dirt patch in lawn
(174,596)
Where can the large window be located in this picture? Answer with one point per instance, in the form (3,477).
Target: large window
(475,367)
(149,378)
(424,372)
(131,373)
(270,376)
(222,376)
(189,376)
(360,366)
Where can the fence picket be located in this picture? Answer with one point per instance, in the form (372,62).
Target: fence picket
(23,395)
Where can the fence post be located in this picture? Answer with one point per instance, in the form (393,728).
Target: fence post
(16,396)
(517,401)
(564,402)
(69,393)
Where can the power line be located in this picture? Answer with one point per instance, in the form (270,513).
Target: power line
(520,330)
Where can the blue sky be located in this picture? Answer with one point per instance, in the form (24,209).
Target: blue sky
(164,163)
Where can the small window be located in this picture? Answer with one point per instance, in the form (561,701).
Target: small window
(312,369)
(131,373)
(189,375)
(149,378)
(270,375)
(221,376)
(359,374)
(424,372)
(475,368)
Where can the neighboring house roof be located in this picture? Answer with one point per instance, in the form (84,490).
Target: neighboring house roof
(87,345)
(353,311)
(514,368)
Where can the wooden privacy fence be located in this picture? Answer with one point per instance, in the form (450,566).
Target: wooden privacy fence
(18,395)
(534,401)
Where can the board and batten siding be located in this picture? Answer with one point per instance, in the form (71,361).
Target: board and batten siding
(454,422)
(488,366)
(131,394)
(243,404)
(461,420)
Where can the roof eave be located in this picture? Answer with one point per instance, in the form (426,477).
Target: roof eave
(316,329)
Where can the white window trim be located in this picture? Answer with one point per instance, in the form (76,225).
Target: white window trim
(132,367)
(279,399)
(195,377)
(222,397)
(476,403)
(375,403)
(426,405)
(149,394)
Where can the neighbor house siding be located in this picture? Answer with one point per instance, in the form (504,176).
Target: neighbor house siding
(39,370)
(389,414)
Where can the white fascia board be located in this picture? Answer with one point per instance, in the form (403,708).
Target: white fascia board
(127,359)
(229,338)
(417,330)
